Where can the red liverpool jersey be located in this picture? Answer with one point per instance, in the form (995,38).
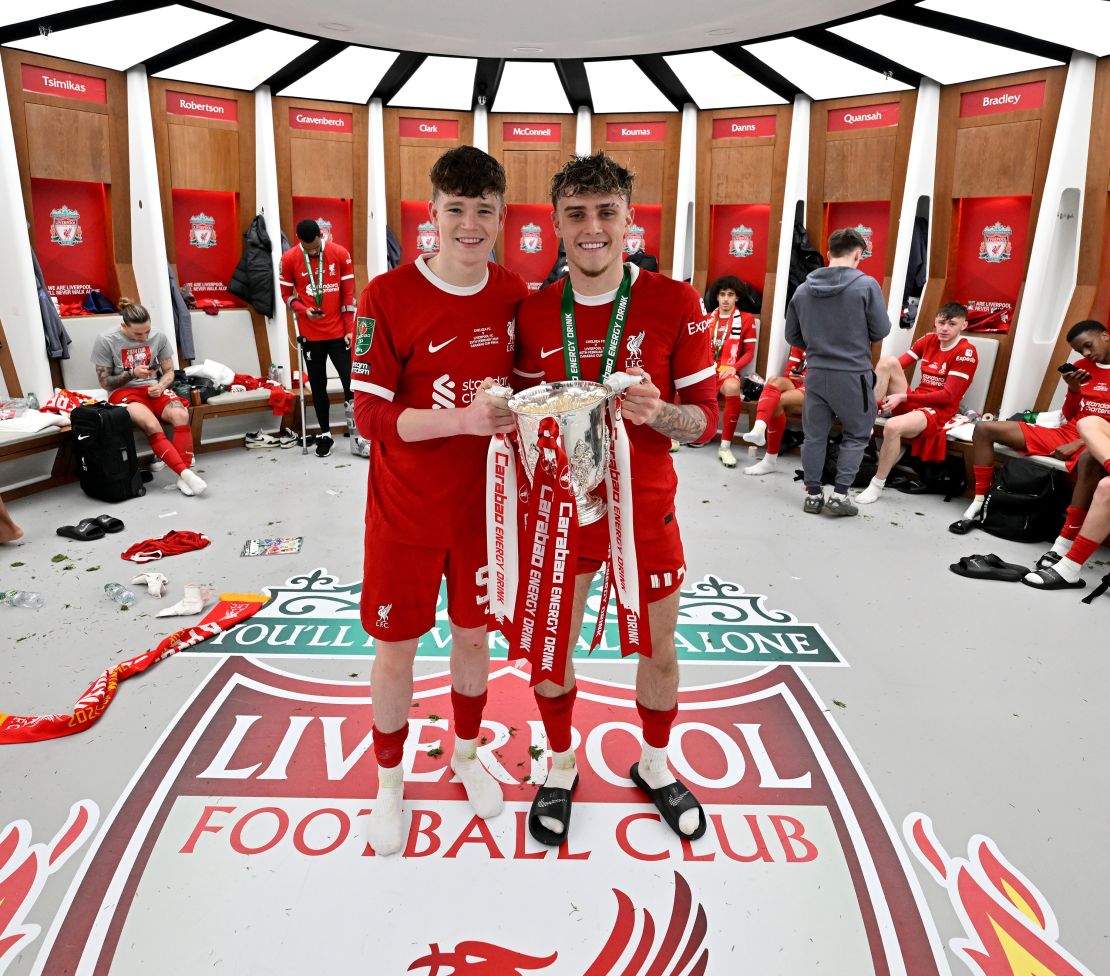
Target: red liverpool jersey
(664,334)
(945,373)
(420,342)
(338,303)
(737,345)
(1093,398)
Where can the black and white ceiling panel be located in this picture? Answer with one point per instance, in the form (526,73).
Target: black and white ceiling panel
(455,56)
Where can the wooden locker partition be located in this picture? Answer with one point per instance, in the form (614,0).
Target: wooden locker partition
(322,152)
(647,144)
(208,153)
(1091,298)
(531,148)
(745,165)
(414,140)
(999,152)
(859,149)
(69,121)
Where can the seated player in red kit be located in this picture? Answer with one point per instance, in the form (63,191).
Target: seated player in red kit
(1088,382)
(948,364)
(781,395)
(732,334)
(430,338)
(606,316)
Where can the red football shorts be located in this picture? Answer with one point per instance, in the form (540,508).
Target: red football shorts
(932,443)
(661,560)
(137,394)
(1042,441)
(401,583)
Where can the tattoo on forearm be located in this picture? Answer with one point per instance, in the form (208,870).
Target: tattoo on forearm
(680,423)
(109,382)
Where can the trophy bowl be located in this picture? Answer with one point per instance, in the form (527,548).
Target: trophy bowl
(579,407)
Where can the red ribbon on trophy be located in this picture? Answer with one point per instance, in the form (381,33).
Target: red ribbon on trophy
(544,600)
(231,610)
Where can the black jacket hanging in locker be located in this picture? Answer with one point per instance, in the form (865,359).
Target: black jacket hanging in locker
(253,278)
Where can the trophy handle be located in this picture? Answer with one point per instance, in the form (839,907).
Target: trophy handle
(618,382)
(504,392)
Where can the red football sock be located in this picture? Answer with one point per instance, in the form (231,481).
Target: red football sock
(768,403)
(1073,522)
(1081,549)
(776,427)
(731,415)
(1106,466)
(165,451)
(183,443)
(984,475)
(657,725)
(556,714)
(467,710)
(390,746)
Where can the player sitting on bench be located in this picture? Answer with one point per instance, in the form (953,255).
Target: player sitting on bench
(781,395)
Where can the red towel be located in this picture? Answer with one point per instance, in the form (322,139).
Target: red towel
(281,401)
(173,543)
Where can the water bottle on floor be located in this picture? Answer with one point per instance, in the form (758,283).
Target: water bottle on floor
(120,593)
(22,598)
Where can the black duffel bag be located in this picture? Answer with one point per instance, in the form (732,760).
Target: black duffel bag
(1027,502)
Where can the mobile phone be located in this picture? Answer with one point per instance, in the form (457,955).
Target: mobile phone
(1067,368)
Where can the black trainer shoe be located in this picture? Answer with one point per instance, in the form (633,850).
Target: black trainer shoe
(324,444)
(813,504)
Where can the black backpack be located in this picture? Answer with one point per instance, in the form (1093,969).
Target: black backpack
(104,441)
(1027,502)
(947,477)
(867,466)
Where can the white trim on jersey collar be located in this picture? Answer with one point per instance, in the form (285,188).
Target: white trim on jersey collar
(442,285)
(608,296)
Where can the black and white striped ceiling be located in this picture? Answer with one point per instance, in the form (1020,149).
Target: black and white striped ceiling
(869,49)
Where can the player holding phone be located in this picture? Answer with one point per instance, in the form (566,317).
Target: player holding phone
(1088,382)
(318,284)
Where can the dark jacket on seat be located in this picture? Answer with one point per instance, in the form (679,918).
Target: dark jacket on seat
(253,278)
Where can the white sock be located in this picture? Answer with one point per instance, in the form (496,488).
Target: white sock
(155,583)
(1067,568)
(190,483)
(1061,545)
(383,829)
(656,773)
(872,492)
(758,434)
(197,597)
(768,465)
(561,776)
(976,506)
(837,496)
(482,790)
(725,445)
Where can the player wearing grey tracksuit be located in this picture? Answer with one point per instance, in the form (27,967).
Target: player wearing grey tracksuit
(835,316)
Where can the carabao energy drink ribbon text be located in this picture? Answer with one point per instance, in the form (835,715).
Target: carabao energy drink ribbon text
(232,609)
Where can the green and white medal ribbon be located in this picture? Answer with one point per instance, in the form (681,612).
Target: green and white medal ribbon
(315,286)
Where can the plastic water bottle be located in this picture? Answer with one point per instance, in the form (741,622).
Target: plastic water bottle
(22,598)
(32,402)
(120,593)
(274,374)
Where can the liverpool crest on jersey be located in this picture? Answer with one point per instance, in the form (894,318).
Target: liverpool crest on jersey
(866,233)
(634,239)
(427,238)
(531,239)
(995,246)
(202,230)
(65,226)
(741,243)
(325,228)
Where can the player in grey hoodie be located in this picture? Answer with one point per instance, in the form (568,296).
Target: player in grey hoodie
(835,316)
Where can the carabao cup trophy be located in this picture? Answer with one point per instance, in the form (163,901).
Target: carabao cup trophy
(579,407)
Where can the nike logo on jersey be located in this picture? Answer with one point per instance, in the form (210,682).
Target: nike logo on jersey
(434,348)
(544,353)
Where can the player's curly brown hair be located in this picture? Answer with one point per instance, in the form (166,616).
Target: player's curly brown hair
(591,174)
(467,172)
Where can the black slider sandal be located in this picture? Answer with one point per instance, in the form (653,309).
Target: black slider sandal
(554,802)
(672,802)
(109,523)
(989,567)
(84,531)
(1052,580)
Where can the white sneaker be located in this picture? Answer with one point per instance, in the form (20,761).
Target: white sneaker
(675,445)
(726,457)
